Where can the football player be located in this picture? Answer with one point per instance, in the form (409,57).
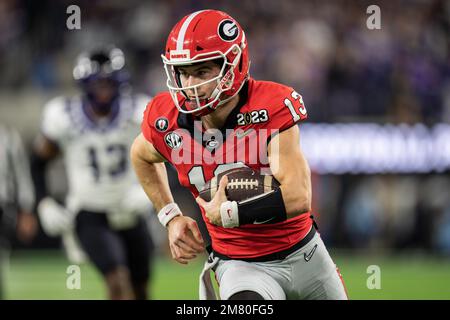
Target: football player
(104,205)
(266,248)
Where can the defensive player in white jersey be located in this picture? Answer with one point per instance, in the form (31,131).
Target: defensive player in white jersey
(94,132)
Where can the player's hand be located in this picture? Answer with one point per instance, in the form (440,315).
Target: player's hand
(185,239)
(55,219)
(212,208)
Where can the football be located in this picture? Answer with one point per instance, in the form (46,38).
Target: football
(243,183)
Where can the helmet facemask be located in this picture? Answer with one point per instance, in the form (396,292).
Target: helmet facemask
(224,82)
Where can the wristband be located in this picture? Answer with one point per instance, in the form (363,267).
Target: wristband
(229,214)
(169,212)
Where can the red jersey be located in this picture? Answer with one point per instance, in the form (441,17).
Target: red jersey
(264,109)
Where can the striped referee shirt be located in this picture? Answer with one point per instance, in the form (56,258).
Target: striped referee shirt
(16,185)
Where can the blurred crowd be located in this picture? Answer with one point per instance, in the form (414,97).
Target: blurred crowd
(324,49)
(345,72)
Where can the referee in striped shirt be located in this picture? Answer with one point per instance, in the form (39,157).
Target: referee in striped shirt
(16,196)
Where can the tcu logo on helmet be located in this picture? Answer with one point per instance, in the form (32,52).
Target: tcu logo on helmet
(173,140)
(228,30)
(161,124)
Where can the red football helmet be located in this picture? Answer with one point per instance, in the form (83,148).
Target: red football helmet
(204,36)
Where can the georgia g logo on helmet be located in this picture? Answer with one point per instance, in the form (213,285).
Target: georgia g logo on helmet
(228,30)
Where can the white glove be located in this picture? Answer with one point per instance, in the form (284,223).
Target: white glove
(133,204)
(55,219)
(135,201)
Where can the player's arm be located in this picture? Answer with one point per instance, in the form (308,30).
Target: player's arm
(151,172)
(290,168)
(55,219)
(293,198)
(44,151)
(185,239)
(26,221)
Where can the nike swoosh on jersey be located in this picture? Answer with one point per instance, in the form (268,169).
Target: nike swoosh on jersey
(262,222)
(310,254)
(240,135)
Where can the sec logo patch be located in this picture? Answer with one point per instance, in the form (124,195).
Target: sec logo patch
(173,140)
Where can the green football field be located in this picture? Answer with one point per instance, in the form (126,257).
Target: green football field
(42,275)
